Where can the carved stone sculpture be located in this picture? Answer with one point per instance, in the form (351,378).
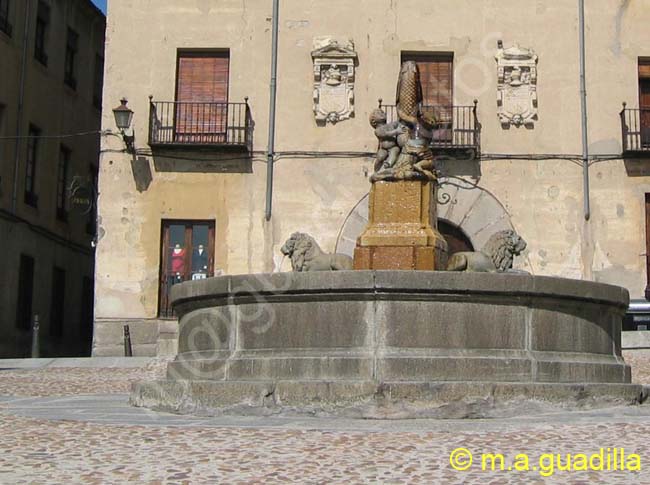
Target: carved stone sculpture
(496,256)
(389,135)
(412,134)
(334,66)
(306,255)
(517,86)
(402,231)
(409,93)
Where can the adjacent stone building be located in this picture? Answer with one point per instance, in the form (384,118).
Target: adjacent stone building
(502,78)
(51,63)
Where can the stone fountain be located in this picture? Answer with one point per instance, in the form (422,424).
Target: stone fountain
(397,337)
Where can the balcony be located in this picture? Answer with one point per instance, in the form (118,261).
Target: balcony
(185,125)
(635,126)
(457,132)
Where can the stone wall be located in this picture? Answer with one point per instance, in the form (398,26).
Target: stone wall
(66,117)
(542,199)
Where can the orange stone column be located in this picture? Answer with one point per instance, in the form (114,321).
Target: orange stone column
(402,231)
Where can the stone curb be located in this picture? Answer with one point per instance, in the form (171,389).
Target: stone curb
(81,362)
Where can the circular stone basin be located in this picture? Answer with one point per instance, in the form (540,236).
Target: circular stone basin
(394,344)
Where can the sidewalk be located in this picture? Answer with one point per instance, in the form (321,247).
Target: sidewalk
(68,421)
(78,362)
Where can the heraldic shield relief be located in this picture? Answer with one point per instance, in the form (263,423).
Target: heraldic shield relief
(517,86)
(334,66)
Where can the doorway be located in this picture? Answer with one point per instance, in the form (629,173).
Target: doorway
(457,240)
(187,253)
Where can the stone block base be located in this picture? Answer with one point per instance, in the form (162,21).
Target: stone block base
(400,258)
(394,344)
(371,400)
(149,338)
(402,229)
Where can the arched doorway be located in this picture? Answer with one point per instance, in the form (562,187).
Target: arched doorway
(457,240)
(468,219)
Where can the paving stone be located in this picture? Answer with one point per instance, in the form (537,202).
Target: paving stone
(74,425)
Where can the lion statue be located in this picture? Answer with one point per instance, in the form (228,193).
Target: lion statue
(496,256)
(306,255)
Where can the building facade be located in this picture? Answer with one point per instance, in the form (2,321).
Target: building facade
(503,80)
(51,55)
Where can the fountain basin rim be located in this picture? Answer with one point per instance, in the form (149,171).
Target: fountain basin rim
(224,290)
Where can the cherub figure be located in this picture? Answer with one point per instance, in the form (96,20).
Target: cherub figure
(387,134)
(415,159)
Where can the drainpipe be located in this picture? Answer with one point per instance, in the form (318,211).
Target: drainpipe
(19,116)
(583,104)
(274,88)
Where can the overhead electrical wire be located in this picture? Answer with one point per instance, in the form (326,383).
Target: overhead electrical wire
(69,135)
(259,155)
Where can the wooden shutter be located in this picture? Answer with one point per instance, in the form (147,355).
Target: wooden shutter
(202,97)
(437,79)
(436,75)
(644,102)
(644,68)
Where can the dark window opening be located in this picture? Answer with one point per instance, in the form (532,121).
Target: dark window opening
(57,303)
(2,113)
(71,48)
(42,27)
(98,82)
(86,317)
(457,240)
(5,25)
(62,183)
(187,253)
(30,166)
(91,223)
(25,293)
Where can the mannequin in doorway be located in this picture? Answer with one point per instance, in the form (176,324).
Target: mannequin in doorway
(178,262)
(200,260)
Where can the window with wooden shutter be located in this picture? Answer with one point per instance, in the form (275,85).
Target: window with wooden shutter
(202,97)
(437,79)
(644,100)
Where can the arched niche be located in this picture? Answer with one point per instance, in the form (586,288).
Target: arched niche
(468,215)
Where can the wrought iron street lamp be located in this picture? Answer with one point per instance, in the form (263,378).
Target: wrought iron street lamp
(123,118)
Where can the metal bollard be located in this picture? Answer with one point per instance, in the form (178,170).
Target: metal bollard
(35,343)
(128,350)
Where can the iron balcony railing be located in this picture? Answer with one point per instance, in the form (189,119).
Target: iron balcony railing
(635,126)
(457,128)
(187,124)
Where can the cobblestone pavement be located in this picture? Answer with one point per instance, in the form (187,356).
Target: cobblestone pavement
(640,363)
(62,440)
(72,381)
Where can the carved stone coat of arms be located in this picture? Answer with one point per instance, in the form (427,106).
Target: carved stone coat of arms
(334,66)
(517,86)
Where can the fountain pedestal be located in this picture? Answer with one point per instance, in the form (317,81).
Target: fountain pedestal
(402,232)
(394,344)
